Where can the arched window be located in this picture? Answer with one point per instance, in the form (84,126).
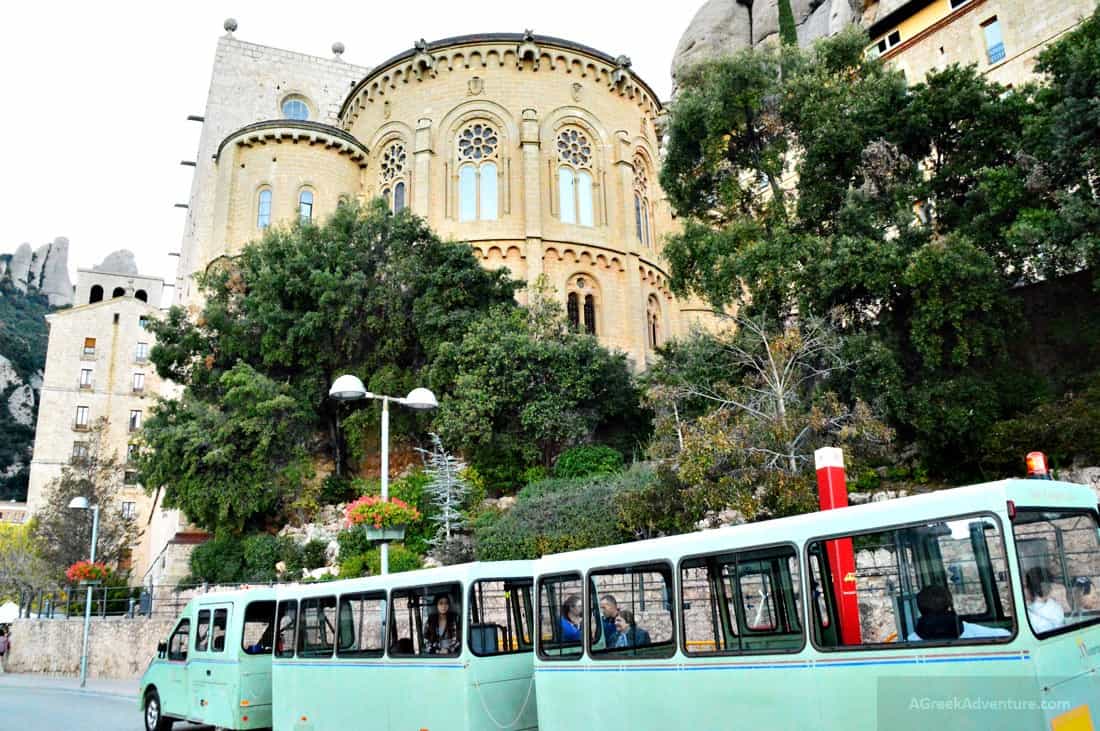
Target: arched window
(295,108)
(392,174)
(581,303)
(641,202)
(96,295)
(119,292)
(653,322)
(263,209)
(141,295)
(575,177)
(590,314)
(478,148)
(573,310)
(305,206)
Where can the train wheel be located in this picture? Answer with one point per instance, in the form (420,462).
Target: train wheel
(154,719)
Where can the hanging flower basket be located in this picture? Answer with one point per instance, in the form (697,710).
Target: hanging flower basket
(87,573)
(382,521)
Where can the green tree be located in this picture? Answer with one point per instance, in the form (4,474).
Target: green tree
(522,385)
(63,534)
(23,569)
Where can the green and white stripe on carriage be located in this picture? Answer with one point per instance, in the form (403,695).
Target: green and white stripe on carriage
(360,653)
(738,627)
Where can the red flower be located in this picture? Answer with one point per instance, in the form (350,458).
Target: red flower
(372,510)
(87,571)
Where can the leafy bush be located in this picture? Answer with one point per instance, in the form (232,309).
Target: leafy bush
(370,563)
(218,561)
(588,460)
(229,559)
(337,489)
(314,554)
(352,542)
(656,506)
(559,515)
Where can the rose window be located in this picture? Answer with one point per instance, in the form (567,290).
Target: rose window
(393,161)
(477,142)
(574,148)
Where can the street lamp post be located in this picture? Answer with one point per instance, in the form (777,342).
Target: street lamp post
(350,388)
(81,503)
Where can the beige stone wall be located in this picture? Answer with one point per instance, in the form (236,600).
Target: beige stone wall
(116,326)
(1026,29)
(286,167)
(117,647)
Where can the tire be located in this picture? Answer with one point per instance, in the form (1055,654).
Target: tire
(154,716)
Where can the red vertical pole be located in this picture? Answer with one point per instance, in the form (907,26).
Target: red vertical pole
(832,492)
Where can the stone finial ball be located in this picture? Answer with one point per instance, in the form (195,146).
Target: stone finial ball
(338,48)
(230,25)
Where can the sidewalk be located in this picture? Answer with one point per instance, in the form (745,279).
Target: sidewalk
(96,686)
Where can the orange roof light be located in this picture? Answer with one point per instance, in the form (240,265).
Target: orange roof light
(1037,467)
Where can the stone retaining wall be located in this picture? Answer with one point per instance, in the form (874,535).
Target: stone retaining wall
(117,647)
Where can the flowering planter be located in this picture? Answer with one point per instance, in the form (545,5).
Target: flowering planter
(90,583)
(392,533)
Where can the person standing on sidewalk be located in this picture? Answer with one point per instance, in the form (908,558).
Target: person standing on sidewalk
(5,645)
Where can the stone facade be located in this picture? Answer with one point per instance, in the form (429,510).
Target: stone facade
(97,367)
(117,647)
(404,130)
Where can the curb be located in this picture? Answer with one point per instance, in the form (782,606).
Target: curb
(7,682)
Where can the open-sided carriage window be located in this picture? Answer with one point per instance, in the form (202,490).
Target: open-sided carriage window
(217,634)
(501,614)
(561,617)
(177,644)
(317,634)
(1059,554)
(635,612)
(940,581)
(742,602)
(202,631)
(362,625)
(258,632)
(426,621)
(285,625)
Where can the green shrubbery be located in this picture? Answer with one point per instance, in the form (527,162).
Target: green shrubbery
(229,559)
(588,460)
(370,562)
(561,515)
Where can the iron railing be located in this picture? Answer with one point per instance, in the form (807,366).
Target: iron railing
(165,601)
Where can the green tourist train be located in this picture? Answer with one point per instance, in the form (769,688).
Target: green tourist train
(971,608)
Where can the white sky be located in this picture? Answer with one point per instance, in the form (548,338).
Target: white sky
(98,94)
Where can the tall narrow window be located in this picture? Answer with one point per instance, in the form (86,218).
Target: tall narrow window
(96,294)
(590,314)
(305,206)
(994,42)
(392,175)
(573,310)
(641,200)
(129,510)
(575,185)
(81,417)
(141,352)
(467,193)
(135,419)
(89,347)
(85,377)
(80,452)
(263,209)
(653,321)
(478,149)
(398,197)
(138,384)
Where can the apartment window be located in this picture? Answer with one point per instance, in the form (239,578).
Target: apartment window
(138,383)
(130,477)
(131,453)
(141,352)
(885,43)
(89,347)
(135,419)
(994,43)
(143,322)
(81,417)
(129,510)
(85,377)
(80,452)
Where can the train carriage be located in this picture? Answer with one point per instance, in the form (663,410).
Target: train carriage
(977,607)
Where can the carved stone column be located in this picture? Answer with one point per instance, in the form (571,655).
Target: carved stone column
(422,158)
(622,227)
(532,192)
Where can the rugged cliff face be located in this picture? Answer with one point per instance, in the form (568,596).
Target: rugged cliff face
(32,282)
(722,27)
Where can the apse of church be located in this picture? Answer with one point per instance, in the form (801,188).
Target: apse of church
(539,152)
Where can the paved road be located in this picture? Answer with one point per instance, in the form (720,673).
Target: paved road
(54,709)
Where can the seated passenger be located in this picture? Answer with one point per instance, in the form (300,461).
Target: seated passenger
(441,629)
(938,620)
(609,610)
(262,645)
(1043,610)
(571,616)
(627,633)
